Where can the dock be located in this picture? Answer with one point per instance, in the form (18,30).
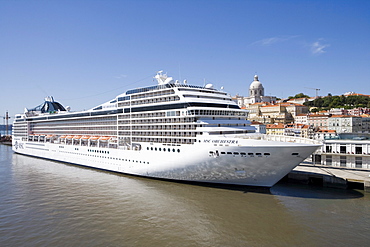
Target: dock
(334,177)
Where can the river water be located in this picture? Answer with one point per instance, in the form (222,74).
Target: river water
(46,203)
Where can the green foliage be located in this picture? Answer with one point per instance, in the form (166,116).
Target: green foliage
(298,96)
(315,110)
(342,101)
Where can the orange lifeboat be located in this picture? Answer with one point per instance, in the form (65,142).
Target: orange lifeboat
(94,138)
(104,138)
(85,138)
(62,137)
(69,137)
(77,137)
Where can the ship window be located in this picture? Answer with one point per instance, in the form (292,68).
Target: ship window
(250,154)
(236,153)
(178,150)
(229,153)
(295,153)
(222,152)
(242,153)
(258,154)
(266,153)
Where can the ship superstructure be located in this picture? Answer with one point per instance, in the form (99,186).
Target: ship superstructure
(172,130)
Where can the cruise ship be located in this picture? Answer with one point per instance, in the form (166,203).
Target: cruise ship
(172,131)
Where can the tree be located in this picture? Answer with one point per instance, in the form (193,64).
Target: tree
(349,102)
(314,110)
(298,96)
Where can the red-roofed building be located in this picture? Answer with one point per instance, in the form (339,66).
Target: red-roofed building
(324,134)
(275,129)
(318,121)
(299,130)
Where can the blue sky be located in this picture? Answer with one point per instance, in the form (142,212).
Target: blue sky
(84,53)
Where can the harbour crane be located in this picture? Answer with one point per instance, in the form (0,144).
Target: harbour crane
(317,91)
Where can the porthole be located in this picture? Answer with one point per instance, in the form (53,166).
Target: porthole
(178,150)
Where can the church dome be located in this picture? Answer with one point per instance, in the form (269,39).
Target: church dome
(256,83)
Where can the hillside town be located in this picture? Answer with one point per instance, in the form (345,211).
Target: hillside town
(294,118)
(344,131)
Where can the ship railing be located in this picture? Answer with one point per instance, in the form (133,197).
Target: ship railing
(283,138)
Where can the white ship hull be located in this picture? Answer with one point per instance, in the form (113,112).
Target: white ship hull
(170,131)
(260,163)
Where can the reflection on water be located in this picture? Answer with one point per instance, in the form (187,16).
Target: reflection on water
(45,203)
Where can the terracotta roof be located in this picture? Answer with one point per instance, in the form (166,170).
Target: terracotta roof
(275,126)
(326,131)
(357,94)
(255,122)
(343,116)
(317,115)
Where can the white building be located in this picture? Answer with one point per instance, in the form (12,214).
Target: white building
(354,153)
(256,95)
(345,124)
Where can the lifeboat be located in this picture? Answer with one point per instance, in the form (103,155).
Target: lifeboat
(85,138)
(62,137)
(94,138)
(49,136)
(104,138)
(69,137)
(77,137)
